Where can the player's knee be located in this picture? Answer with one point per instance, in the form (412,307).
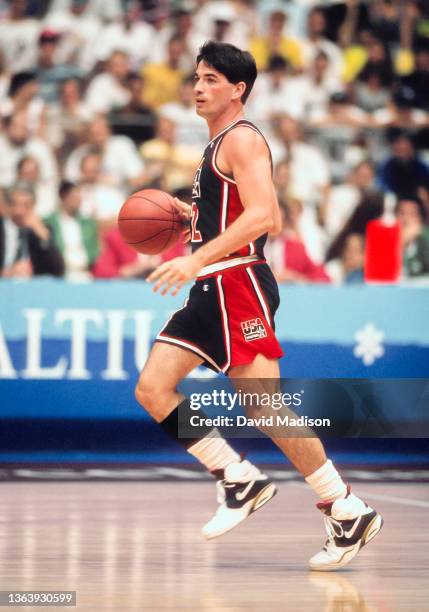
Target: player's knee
(146,392)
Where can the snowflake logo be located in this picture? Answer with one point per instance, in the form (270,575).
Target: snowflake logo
(369,344)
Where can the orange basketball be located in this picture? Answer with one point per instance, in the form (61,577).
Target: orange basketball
(148,221)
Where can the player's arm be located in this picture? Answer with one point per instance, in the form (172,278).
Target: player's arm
(245,154)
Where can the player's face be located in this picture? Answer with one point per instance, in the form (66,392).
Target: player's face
(213,92)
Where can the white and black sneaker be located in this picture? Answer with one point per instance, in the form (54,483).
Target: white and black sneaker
(243,490)
(350,524)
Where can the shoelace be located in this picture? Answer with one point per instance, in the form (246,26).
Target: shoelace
(330,525)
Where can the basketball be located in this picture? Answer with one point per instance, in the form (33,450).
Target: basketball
(148,221)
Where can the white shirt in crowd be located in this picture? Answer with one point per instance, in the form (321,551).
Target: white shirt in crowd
(288,98)
(342,201)
(78,35)
(75,256)
(19,43)
(105,93)
(11,154)
(105,10)
(136,42)
(11,242)
(101,202)
(309,170)
(191,129)
(120,161)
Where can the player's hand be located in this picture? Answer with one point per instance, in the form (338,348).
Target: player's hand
(173,274)
(183,208)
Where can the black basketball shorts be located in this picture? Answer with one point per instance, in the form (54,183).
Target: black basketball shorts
(228,317)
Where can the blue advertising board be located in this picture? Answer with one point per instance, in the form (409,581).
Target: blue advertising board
(73,351)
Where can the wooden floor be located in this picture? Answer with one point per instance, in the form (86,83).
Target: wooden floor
(136,546)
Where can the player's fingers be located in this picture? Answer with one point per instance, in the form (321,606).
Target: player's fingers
(182,207)
(157,272)
(169,283)
(165,278)
(177,288)
(186,236)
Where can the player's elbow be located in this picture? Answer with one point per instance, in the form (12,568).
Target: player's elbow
(262,223)
(276,228)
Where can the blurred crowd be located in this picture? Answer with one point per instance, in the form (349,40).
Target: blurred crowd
(96,102)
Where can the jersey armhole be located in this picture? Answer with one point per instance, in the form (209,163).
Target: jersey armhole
(216,169)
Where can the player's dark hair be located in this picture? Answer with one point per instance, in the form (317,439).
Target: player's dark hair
(65,188)
(236,65)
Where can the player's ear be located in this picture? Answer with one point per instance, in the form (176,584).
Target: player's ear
(239,89)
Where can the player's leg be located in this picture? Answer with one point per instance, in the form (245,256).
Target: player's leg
(156,391)
(350,523)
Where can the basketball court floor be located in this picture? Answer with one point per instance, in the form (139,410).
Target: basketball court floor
(136,546)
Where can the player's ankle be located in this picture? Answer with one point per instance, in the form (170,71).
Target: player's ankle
(327,483)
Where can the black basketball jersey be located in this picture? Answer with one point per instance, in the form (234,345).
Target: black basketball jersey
(215,199)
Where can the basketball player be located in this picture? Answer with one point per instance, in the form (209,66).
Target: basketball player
(234,207)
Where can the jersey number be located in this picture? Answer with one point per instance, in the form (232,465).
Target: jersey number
(195,234)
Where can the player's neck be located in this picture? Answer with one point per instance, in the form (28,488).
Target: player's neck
(219,123)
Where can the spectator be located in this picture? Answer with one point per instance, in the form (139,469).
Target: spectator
(100,200)
(319,85)
(163,80)
(276,42)
(370,94)
(412,218)
(108,91)
(385,20)
(26,244)
(370,207)
(66,119)
(401,112)
(106,11)
(23,96)
(288,254)
(181,23)
(337,131)
(128,34)
(348,268)
(309,170)
(404,173)
(170,165)
(316,41)
(342,199)
(281,177)
(15,143)
(118,260)
(120,161)
(4,77)
(50,73)
(79,29)
(45,194)
(378,62)
(191,129)
(418,79)
(74,235)
(277,92)
(135,120)
(18,37)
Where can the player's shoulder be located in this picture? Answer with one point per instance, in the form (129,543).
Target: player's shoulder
(244,138)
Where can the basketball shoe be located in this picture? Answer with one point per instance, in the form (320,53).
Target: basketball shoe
(243,490)
(350,524)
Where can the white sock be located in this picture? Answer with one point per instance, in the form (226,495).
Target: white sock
(327,483)
(214,452)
